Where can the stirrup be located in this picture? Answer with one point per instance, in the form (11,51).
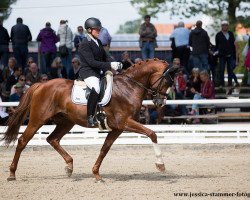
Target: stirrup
(92,121)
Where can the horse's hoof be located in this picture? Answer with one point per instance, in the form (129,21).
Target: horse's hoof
(99,181)
(11,178)
(68,171)
(160,167)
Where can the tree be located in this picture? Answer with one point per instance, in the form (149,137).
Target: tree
(5,8)
(234,10)
(130,27)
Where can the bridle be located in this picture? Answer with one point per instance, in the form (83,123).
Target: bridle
(155,92)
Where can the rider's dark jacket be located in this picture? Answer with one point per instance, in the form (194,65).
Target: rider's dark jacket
(93,58)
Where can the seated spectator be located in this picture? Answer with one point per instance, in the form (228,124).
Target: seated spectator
(30,60)
(33,76)
(8,71)
(126,61)
(13,79)
(16,96)
(57,69)
(137,60)
(193,84)
(22,81)
(44,78)
(207,92)
(73,72)
(4,116)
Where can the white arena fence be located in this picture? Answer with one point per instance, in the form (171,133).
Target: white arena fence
(167,134)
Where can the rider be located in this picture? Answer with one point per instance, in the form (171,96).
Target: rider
(93,63)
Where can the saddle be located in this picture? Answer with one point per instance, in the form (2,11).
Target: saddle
(80,91)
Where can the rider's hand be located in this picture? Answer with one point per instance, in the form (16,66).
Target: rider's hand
(116,65)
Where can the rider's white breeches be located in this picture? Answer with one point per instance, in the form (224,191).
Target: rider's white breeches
(93,82)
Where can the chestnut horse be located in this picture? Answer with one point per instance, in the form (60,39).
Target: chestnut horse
(52,101)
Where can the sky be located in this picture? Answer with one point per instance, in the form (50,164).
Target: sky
(112,13)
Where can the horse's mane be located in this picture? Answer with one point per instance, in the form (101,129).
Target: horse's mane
(140,66)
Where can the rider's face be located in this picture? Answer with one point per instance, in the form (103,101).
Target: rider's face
(95,32)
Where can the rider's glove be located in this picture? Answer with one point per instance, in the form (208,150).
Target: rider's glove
(116,65)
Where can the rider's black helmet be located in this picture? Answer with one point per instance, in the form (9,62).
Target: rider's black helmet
(92,23)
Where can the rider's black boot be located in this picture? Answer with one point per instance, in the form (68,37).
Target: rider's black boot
(91,107)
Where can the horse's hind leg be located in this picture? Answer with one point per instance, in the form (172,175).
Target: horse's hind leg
(54,140)
(110,139)
(134,126)
(22,142)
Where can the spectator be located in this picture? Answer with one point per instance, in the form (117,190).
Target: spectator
(16,96)
(20,36)
(247,61)
(181,38)
(8,71)
(30,60)
(57,69)
(33,76)
(66,38)
(213,63)
(13,79)
(78,38)
(126,61)
(105,38)
(225,44)
(207,92)
(193,84)
(4,45)
(22,81)
(48,39)
(74,71)
(4,116)
(148,36)
(199,41)
(44,78)
(137,60)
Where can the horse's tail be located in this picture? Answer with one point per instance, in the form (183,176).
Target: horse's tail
(19,115)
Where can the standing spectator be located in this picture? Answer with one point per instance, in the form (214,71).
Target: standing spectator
(247,61)
(33,76)
(48,39)
(181,38)
(199,41)
(4,45)
(66,38)
(225,44)
(74,71)
(78,38)
(20,36)
(148,36)
(126,61)
(105,38)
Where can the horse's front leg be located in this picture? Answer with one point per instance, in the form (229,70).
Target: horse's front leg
(134,126)
(110,139)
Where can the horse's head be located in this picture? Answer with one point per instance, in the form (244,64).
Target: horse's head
(161,80)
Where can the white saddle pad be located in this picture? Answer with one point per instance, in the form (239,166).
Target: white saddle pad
(78,94)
